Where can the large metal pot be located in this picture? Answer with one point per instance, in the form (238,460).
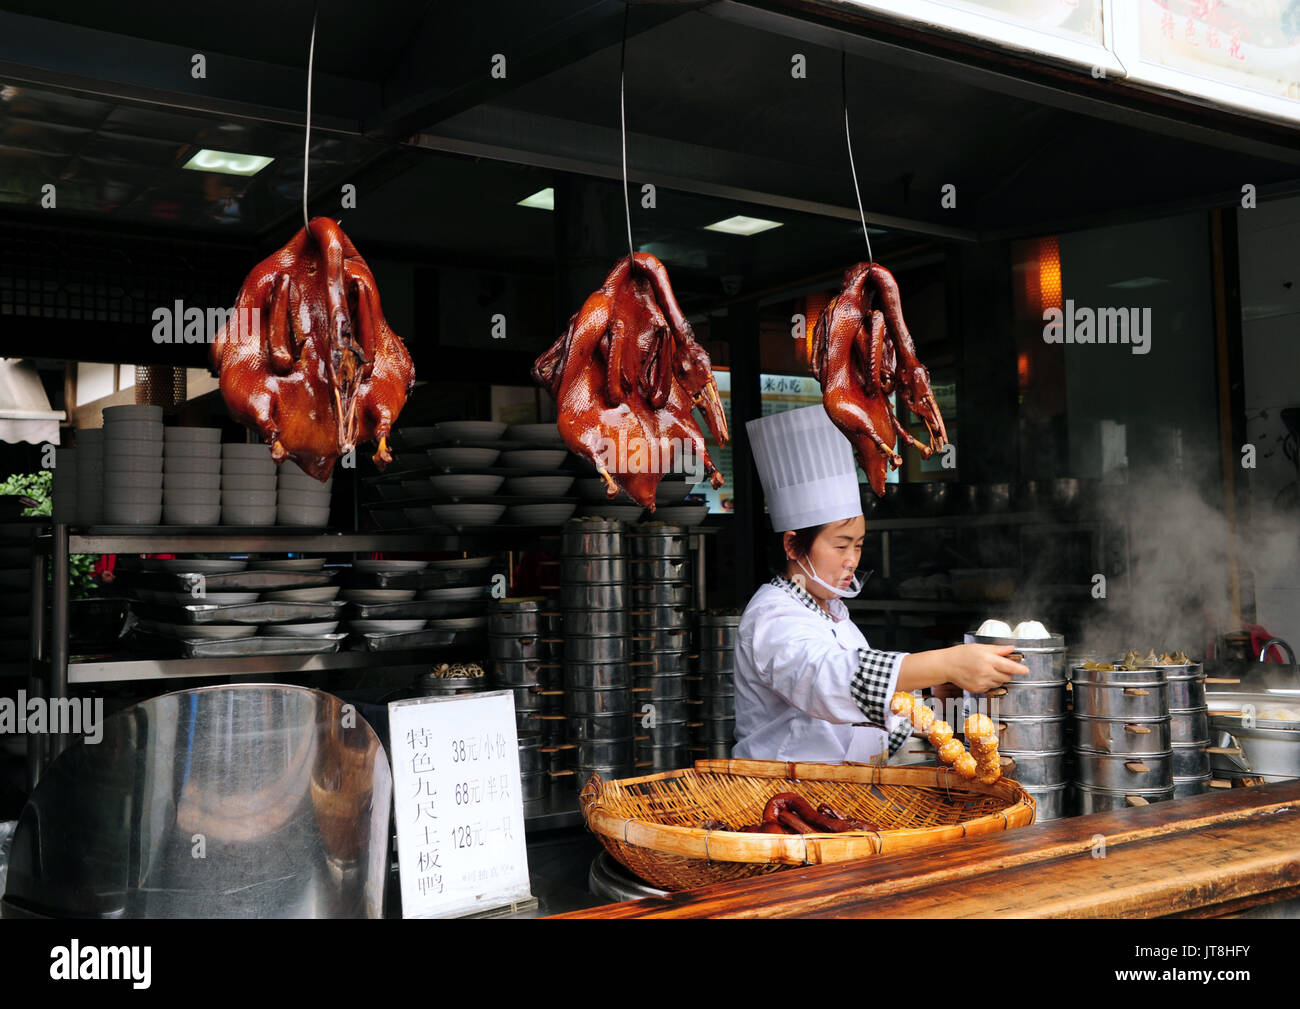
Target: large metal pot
(590,570)
(1120,693)
(659,688)
(582,727)
(610,649)
(595,623)
(596,675)
(528,698)
(1032,733)
(1027,698)
(660,569)
(1045,657)
(597,702)
(592,539)
(660,664)
(530,752)
(1037,767)
(664,639)
(593,597)
(1122,735)
(1124,772)
(661,543)
(1191,760)
(1049,800)
(1184,691)
(663,733)
(515,616)
(1101,800)
(526,672)
(660,594)
(515,647)
(1184,787)
(655,617)
(1191,726)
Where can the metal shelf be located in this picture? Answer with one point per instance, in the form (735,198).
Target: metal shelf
(121,670)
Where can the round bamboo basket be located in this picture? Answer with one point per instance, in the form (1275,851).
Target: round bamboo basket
(650,823)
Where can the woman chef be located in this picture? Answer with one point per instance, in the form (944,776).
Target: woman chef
(808,686)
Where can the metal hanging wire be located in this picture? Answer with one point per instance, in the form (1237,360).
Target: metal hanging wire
(622,123)
(848,140)
(306,144)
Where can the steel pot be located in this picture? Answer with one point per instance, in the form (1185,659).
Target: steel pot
(660,569)
(1137,699)
(662,733)
(714,660)
(1119,735)
(582,727)
(597,702)
(514,616)
(660,594)
(1184,787)
(530,753)
(604,751)
(550,623)
(595,623)
(674,545)
(610,649)
(660,664)
(671,709)
(589,570)
(1124,772)
(592,539)
(715,618)
(718,730)
(593,597)
(719,637)
(716,706)
(514,648)
(656,617)
(1184,691)
(1191,726)
(597,675)
(524,673)
(718,685)
(1191,760)
(1259,750)
(719,750)
(534,786)
(1027,698)
(659,688)
(528,721)
(528,698)
(1045,657)
(1037,767)
(1049,800)
(662,758)
(662,640)
(1032,733)
(1101,800)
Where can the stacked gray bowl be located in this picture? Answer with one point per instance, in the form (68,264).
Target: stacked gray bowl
(1189,733)
(1030,713)
(662,619)
(717,720)
(514,644)
(1122,751)
(597,680)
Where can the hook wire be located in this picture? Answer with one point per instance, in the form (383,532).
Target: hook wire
(306,145)
(848,140)
(622,122)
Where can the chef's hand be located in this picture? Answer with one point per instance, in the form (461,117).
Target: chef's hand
(981,668)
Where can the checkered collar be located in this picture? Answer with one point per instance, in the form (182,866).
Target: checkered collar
(801,594)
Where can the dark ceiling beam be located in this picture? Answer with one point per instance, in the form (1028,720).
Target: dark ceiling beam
(441,76)
(119,67)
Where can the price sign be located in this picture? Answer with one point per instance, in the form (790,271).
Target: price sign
(459,809)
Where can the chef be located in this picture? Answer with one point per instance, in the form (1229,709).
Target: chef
(808,686)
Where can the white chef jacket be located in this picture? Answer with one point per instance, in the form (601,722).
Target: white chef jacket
(808,686)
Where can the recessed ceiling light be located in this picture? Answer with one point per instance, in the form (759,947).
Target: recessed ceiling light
(227,162)
(543,199)
(741,225)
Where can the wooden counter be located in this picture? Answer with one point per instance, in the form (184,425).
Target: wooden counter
(1198,857)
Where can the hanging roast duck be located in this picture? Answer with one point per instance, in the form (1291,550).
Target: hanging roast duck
(627,375)
(314,368)
(860,355)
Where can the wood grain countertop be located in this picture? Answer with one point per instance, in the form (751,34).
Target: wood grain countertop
(1197,857)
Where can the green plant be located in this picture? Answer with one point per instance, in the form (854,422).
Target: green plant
(36,486)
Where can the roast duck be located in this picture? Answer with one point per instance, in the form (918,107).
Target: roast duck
(319,371)
(861,354)
(627,375)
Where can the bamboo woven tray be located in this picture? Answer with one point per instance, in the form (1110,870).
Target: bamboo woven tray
(649,823)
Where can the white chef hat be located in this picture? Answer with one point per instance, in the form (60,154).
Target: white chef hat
(807,468)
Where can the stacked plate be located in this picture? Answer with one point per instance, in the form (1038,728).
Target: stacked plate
(133,465)
(662,623)
(248,482)
(598,699)
(717,723)
(192,476)
(64,490)
(301,500)
(90,476)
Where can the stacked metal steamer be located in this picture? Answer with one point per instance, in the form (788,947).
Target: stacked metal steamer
(597,680)
(1189,728)
(1123,755)
(1030,712)
(717,725)
(662,621)
(520,644)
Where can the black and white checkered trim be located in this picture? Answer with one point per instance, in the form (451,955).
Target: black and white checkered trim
(801,594)
(899,736)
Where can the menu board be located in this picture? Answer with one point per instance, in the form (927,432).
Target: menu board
(458,805)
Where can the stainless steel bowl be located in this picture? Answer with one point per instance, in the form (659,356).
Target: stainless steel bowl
(1191,726)
(1032,733)
(655,617)
(1101,800)
(1190,760)
(1122,735)
(1037,767)
(1049,800)
(660,569)
(608,649)
(597,675)
(1022,699)
(598,702)
(595,623)
(590,570)
(593,597)
(1124,772)
(514,647)
(660,594)
(526,672)
(1138,699)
